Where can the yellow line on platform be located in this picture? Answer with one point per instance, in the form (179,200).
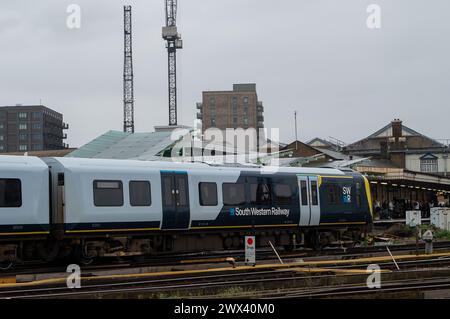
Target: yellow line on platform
(335,270)
(8,280)
(291,266)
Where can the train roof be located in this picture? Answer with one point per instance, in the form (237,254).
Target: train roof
(22,163)
(74,163)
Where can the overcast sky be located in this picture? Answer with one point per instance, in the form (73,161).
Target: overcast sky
(314,56)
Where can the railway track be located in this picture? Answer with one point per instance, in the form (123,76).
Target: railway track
(296,280)
(219,257)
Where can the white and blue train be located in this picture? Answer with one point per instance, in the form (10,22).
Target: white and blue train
(60,207)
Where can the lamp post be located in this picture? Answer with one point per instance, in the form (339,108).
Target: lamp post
(296,138)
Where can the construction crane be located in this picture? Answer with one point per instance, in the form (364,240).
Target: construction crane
(128,89)
(174,42)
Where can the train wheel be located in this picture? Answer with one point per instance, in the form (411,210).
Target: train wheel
(81,258)
(6,265)
(312,240)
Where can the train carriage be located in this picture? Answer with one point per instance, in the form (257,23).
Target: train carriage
(99,207)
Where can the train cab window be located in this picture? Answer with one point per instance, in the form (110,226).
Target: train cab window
(233,194)
(283,194)
(314,197)
(108,193)
(208,194)
(304,193)
(260,193)
(10,192)
(140,193)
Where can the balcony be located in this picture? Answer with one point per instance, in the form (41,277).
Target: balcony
(260,107)
(199,116)
(199,106)
(65,126)
(64,136)
(260,118)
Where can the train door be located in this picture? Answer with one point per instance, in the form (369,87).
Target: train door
(175,200)
(309,200)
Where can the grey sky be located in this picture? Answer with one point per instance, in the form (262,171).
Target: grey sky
(316,56)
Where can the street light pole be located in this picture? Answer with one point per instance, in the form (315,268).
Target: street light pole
(296,138)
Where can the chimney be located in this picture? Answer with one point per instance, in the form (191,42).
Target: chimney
(396,129)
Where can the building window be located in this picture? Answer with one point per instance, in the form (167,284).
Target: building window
(36,137)
(23,147)
(429,163)
(245,100)
(22,126)
(2,137)
(37,115)
(2,126)
(37,147)
(233,194)
(10,192)
(140,193)
(22,115)
(213,121)
(108,193)
(208,194)
(235,121)
(36,126)
(23,137)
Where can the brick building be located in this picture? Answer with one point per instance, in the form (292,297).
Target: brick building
(31,128)
(239,108)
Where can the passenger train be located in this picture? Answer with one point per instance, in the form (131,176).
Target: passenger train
(54,208)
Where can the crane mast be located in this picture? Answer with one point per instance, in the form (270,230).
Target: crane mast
(128,89)
(173,42)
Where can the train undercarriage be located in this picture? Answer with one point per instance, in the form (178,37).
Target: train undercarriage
(86,249)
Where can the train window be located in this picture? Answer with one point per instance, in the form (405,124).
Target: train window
(168,191)
(10,192)
(314,198)
(260,193)
(208,194)
(358,194)
(233,194)
(140,193)
(332,191)
(283,194)
(108,193)
(304,193)
(182,199)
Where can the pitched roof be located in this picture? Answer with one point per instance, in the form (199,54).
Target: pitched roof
(120,145)
(386,132)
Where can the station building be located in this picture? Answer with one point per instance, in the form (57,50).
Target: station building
(401,163)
